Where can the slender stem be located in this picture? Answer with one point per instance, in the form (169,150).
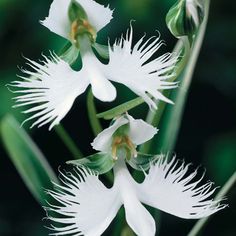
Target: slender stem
(226,188)
(67,140)
(172,117)
(92,114)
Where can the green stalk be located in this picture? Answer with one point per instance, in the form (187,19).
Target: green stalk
(198,227)
(169,122)
(67,140)
(92,114)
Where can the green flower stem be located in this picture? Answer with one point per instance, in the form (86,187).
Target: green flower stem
(92,114)
(172,116)
(67,140)
(226,188)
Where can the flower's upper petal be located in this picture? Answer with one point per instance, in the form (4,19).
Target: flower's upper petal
(133,68)
(85,205)
(52,89)
(98,15)
(140,131)
(103,141)
(169,188)
(58,20)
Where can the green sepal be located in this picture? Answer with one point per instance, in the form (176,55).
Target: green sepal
(69,53)
(76,12)
(121,109)
(180,22)
(28,160)
(142,161)
(102,50)
(99,162)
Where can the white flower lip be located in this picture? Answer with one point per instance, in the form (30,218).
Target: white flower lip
(58,20)
(87,207)
(139,132)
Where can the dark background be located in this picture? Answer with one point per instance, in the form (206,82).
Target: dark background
(208,132)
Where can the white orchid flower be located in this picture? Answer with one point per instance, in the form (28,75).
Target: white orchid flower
(87,207)
(53,85)
(124,131)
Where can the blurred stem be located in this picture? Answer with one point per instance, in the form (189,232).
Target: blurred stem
(92,114)
(226,188)
(67,140)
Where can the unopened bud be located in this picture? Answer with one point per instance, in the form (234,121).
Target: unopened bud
(185,17)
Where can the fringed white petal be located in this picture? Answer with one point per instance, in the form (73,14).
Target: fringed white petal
(103,141)
(58,20)
(132,67)
(170,188)
(85,205)
(140,131)
(51,88)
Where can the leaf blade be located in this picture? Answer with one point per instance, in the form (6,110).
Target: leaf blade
(30,163)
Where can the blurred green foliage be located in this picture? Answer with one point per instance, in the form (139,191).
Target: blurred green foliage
(208,130)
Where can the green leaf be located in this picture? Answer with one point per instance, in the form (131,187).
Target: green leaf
(27,158)
(121,109)
(92,114)
(142,161)
(69,53)
(100,162)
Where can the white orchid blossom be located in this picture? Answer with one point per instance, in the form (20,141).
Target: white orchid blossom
(53,86)
(134,133)
(87,207)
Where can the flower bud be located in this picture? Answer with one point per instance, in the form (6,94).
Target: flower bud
(185,17)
